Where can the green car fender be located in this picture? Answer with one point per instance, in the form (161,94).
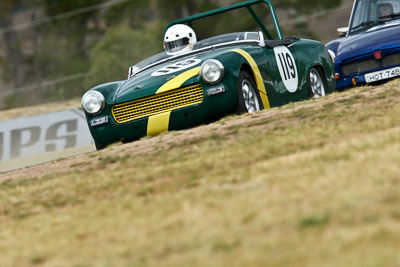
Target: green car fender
(108,90)
(319,58)
(239,59)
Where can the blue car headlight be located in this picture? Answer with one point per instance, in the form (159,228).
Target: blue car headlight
(212,71)
(93,102)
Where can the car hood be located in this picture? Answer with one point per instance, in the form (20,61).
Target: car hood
(377,38)
(167,76)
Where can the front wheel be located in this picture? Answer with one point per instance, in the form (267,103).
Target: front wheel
(248,96)
(316,83)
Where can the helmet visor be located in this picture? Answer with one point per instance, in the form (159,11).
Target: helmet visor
(176,45)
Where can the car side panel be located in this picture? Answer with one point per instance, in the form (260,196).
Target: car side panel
(313,54)
(307,54)
(281,94)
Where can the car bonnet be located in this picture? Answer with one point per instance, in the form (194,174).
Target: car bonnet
(378,39)
(167,76)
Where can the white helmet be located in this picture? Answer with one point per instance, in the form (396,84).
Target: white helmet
(179,39)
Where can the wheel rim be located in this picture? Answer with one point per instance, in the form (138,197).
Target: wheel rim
(250,96)
(317,84)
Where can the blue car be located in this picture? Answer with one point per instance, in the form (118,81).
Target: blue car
(369,50)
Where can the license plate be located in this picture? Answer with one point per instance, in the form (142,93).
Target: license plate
(382,75)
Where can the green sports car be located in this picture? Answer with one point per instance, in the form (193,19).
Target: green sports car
(194,81)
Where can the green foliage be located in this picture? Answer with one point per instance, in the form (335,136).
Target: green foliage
(3,69)
(54,7)
(74,27)
(308,6)
(120,48)
(132,12)
(179,8)
(13,101)
(302,29)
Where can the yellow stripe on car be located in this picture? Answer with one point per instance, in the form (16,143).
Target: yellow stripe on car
(158,123)
(177,82)
(257,74)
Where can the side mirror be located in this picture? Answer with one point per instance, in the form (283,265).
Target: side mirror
(342,31)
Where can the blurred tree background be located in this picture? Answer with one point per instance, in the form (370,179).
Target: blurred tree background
(52,50)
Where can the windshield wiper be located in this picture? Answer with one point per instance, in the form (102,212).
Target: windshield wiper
(366,25)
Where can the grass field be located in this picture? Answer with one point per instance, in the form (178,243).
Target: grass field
(315,183)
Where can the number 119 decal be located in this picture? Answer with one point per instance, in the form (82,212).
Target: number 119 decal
(287,68)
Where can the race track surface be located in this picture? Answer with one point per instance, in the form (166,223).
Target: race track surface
(43,158)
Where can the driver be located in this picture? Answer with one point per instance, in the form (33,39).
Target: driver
(385,10)
(179,39)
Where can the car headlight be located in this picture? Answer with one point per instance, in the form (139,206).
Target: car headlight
(93,102)
(212,71)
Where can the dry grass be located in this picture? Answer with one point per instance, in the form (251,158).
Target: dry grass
(308,184)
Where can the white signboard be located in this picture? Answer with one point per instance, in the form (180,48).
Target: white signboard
(51,132)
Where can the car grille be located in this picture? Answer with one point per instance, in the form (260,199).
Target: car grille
(159,103)
(390,60)
(360,66)
(370,64)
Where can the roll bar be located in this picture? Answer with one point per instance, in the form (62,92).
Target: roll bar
(246,4)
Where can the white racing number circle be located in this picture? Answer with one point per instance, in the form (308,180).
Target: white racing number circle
(287,68)
(176,67)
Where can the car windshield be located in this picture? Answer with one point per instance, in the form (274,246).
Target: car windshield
(151,60)
(370,13)
(220,39)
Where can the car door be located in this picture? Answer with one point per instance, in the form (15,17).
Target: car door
(285,72)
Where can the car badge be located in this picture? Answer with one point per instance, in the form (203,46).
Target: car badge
(378,54)
(140,86)
(216,90)
(99,121)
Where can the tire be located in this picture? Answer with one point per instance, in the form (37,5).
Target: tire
(248,97)
(99,146)
(316,83)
